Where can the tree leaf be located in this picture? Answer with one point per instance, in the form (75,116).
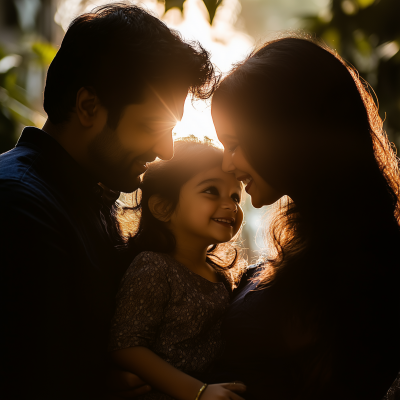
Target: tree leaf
(45,51)
(212,6)
(174,3)
(365,3)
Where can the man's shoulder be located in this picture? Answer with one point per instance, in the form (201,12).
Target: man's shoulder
(17,164)
(21,180)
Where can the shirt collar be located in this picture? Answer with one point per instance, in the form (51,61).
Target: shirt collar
(64,168)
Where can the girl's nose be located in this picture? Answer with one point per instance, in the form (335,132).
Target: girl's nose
(231,205)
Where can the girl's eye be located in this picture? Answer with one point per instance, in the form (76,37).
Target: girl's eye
(211,190)
(236,198)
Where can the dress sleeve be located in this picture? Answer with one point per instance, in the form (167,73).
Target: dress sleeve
(141,302)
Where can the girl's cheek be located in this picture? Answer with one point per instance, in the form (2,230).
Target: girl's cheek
(207,208)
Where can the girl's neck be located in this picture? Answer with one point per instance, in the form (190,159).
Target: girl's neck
(190,255)
(194,258)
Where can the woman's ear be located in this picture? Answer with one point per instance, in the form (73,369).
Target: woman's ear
(159,207)
(238,220)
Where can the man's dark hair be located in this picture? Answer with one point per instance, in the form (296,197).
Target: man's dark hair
(117,50)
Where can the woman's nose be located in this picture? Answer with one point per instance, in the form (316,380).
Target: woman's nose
(227,165)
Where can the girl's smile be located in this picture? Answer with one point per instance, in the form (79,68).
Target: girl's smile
(228,222)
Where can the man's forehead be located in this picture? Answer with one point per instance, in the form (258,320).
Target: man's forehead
(166,100)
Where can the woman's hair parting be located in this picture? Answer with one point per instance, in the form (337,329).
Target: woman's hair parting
(142,231)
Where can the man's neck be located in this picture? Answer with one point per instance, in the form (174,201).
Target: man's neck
(72,138)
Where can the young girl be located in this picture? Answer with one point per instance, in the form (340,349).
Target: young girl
(169,308)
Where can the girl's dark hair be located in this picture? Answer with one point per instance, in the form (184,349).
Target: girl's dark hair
(309,126)
(117,50)
(143,232)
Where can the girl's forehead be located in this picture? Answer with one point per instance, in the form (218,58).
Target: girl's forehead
(215,175)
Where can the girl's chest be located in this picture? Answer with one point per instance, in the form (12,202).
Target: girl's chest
(193,298)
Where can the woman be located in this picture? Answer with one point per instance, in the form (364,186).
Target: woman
(321,320)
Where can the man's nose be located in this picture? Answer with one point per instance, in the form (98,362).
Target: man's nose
(164,148)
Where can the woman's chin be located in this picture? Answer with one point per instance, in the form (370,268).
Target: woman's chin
(258,202)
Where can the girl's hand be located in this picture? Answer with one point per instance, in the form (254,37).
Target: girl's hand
(223,391)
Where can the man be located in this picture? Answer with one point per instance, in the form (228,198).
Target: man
(113,93)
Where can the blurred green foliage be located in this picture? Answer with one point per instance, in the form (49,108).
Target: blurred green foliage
(17,106)
(45,52)
(366,33)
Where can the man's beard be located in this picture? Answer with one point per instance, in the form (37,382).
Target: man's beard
(111,162)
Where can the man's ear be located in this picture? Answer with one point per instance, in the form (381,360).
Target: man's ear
(160,208)
(87,106)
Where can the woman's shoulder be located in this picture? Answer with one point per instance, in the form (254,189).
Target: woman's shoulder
(248,275)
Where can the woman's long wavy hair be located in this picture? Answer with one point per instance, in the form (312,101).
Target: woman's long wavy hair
(309,126)
(143,232)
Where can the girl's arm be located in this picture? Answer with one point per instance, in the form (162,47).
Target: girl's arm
(157,372)
(167,379)
(141,302)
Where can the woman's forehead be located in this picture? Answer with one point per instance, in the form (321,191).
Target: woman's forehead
(224,126)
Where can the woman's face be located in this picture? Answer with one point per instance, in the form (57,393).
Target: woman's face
(235,162)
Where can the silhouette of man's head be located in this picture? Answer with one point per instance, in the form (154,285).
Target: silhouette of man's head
(139,71)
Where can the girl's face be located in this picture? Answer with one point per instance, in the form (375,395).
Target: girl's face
(235,162)
(208,208)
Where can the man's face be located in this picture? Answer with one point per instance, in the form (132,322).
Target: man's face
(144,132)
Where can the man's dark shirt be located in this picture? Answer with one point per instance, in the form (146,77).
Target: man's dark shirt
(60,272)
